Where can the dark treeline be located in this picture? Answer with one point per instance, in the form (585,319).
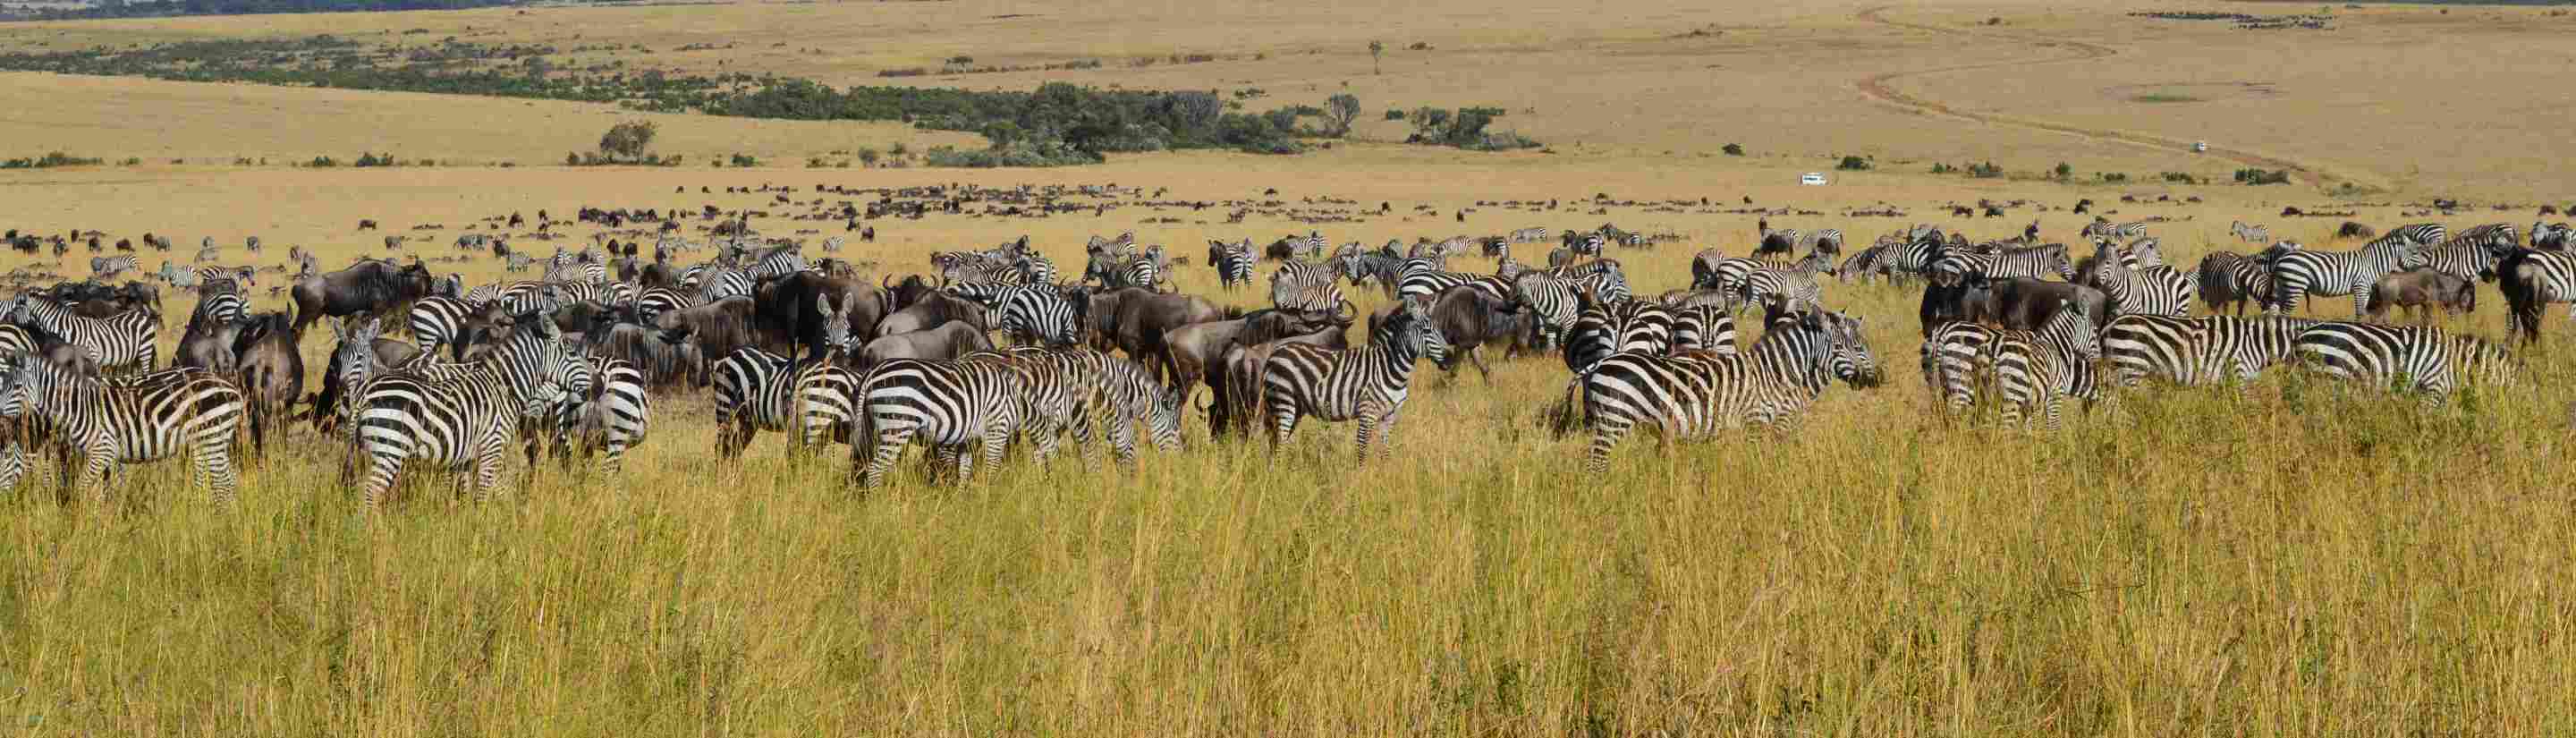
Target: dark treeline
(1056,124)
(120,9)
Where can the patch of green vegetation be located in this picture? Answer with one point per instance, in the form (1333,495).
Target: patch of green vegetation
(2163,97)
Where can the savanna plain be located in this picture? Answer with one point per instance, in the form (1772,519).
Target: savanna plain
(2296,556)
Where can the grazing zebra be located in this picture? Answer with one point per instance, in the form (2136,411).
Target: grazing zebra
(1703,328)
(2551,236)
(1035,268)
(2102,228)
(1232,261)
(754,390)
(1711,270)
(2249,233)
(947,404)
(1552,299)
(2297,273)
(2196,351)
(2034,369)
(2156,290)
(2531,280)
(1083,385)
(460,415)
(1305,287)
(2472,254)
(1388,270)
(1828,241)
(439,320)
(1957,359)
(1367,384)
(1799,288)
(2233,279)
(1696,395)
(1035,314)
(103,267)
(113,423)
(1530,235)
(127,339)
(610,420)
(2426,359)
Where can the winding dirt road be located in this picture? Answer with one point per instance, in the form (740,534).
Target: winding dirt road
(1879,87)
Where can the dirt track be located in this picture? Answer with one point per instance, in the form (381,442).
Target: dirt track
(1879,87)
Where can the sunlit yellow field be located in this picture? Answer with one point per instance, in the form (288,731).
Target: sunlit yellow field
(2298,557)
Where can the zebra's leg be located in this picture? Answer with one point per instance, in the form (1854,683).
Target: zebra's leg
(957,459)
(487,466)
(613,457)
(215,464)
(94,469)
(1475,355)
(1386,433)
(997,441)
(2360,300)
(1283,421)
(1607,429)
(2049,411)
(1122,443)
(882,451)
(13,466)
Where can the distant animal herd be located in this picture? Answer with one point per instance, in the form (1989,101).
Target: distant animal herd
(985,349)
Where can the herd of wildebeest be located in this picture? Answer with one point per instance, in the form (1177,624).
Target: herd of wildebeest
(980,349)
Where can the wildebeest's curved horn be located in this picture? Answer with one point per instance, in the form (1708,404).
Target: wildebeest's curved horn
(1340,316)
(885,282)
(1202,407)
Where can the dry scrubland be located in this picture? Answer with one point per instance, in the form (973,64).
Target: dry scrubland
(2294,558)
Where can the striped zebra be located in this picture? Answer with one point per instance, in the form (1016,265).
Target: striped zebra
(1703,328)
(2226,278)
(755,390)
(1035,268)
(2158,290)
(2196,351)
(464,415)
(2472,254)
(1828,241)
(1087,386)
(124,340)
(1799,288)
(1584,244)
(719,283)
(2297,273)
(2532,280)
(1037,314)
(658,300)
(610,420)
(103,267)
(1530,235)
(2551,236)
(1712,270)
(111,423)
(438,321)
(1552,300)
(2424,359)
(247,276)
(1694,396)
(1604,277)
(221,302)
(1305,287)
(778,262)
(946,404)
(2035,369)
(578,273)
(2102,228)
(1958,363)
(1233,263)
(1367,384)
(2249,233)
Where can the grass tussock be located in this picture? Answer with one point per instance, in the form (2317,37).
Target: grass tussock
(2163,97)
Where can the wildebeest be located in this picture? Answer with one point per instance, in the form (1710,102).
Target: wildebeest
(929,311)
(1469,318)
(2421,289)
(272,371)
(784,309)
(366,225)
(2351,229)
(948,341)
(664,364)
(1191,352)
(2018,303)
(1239,387)
(374,288)
(717,328)
(1134,319)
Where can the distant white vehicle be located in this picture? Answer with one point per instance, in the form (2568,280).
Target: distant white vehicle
(2200,147)
(1811,178)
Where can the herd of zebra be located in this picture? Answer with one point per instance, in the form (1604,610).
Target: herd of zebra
(572,363)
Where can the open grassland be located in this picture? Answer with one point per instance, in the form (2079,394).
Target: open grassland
(2372,102)
(2292,558)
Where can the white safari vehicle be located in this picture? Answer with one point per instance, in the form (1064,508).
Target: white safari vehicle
(2200,147)
(1811,178)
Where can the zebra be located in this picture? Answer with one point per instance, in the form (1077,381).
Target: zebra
(2531,280)
(2104,228)
(753,392)
(103,267)
(1035,268)
(1039,313)
(2425,359)
(1703,328)
(720,283)
(1388,270)
(611,419)
(1798,287)
(1957,358)
(833,245)
(1530,235)
(2472,254)
(1305,287)
(2036,262)
(2226,278)
(220,301)
(1367,384)
(1605,279)
(1818,241)
(1553,301)
(1085,385)
(658,300)
(127,339)
(2158,290)
(1711,270)
(2196,351)
(1233,263)
(947,404)
(2297,273)
(1427,282)
(464,414)
(2249,233)
(1695,395)
(2034,369)
(439,320)
(2551,236)
(112,423)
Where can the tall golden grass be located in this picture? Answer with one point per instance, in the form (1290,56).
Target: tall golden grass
(2298,557)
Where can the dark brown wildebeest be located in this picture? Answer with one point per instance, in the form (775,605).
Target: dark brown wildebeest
(717,328)
(2018,303)
(785,309)
(1193,352)
(1239,388)
(1134,319)
(366,225)
(929,311)
(948,341)
(2352,229)
(2419,290)
(1468,319)
(373,288)
(272,372)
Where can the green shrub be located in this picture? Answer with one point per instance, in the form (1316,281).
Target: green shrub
(1853,164)
(1732,149)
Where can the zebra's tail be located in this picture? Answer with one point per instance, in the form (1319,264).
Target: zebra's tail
(1567,415)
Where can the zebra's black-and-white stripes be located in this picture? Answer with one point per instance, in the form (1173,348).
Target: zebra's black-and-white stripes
(1958,363)
(2158,290)
(113,423)
(103,267)
(438,321)
(127,339)
(2297,273)
(946,404)
(464,415)
(2196,351)
(1305,287)
(2425,359)
(2250,233)
(2472,254)
(613,418)
(1367,384)
(1038,314)
(2233,279)
(1233,263)
(2033,370)
(1695,395)
(2532,280)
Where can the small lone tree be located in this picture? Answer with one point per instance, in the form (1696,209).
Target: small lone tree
(1340,110)
(1732,149)
(628,140)
(1429,123)
(1376,50)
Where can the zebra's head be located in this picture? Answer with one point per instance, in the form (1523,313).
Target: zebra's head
(1163,420)
(1853,362)
(1411,330)
(836,326)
